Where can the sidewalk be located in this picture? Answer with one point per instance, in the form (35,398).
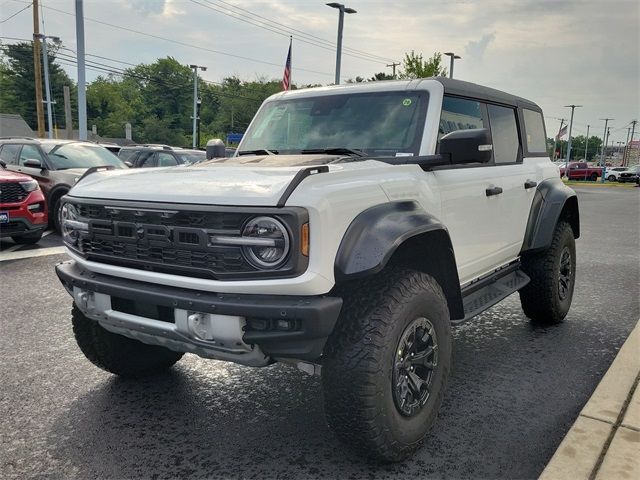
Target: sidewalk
(604,441)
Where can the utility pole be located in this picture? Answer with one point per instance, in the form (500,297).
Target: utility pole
(604,142)
(37,71)
(586,144)
(68,122)
(195,101)
(633,131)
(555,139)
(566,164)
(453,57)
(47,85)
(394,65)
(342,10)
(82,87)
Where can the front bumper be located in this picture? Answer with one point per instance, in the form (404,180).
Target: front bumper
(631,179)
(160,315)
(23,221)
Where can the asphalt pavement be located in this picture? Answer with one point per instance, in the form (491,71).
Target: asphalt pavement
(515,389)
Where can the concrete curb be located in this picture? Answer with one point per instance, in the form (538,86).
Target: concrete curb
(604,441)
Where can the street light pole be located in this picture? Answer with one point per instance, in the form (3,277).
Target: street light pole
(586,144)
(342,10)
(566,164)
(453,57)
(195,102)
(80,60)
(604,136)
(47,86)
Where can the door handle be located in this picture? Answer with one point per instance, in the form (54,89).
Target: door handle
(530,184)
(493,191)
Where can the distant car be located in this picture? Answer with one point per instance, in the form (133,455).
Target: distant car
(630,175)
(55,164)
(613,172)
(581,171)
(159,156)
(23,210)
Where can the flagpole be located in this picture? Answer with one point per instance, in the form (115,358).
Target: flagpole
(291,63)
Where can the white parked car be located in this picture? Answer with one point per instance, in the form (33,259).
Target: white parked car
(354,225)
(613,173)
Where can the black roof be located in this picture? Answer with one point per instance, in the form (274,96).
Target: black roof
(467,89)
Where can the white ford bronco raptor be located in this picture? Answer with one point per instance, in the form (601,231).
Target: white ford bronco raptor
(353,226)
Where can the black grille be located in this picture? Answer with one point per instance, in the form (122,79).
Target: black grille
(12,193)
(176,238)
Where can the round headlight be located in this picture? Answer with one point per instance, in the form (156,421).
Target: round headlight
(268,242)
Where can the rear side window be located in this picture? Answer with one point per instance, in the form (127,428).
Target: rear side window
(534,128)
(9,153)
(504,134)
(459,114)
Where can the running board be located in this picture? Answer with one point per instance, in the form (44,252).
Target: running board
(485,294)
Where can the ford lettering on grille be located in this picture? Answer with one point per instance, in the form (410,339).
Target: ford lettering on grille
(148,234)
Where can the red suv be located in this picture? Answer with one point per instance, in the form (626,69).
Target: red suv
(23,211)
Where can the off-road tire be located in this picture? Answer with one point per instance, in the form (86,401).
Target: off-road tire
(117,354)
(359,358)
(540,298)
(29,239)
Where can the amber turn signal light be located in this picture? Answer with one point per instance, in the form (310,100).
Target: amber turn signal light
(304,240)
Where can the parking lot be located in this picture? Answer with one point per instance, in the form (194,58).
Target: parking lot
(515,389)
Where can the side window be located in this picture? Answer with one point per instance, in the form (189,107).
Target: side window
(9,153)
(146,160)
(30,152)
(504,134)
(534,128)
(459,114)
(166,160)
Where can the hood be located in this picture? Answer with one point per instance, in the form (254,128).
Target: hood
(9,176)
(242,181)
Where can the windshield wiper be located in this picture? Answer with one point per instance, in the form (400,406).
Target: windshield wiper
(259,151)
(335,151)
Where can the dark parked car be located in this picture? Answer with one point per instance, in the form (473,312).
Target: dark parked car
(55,164)
(632,174)
(159,156)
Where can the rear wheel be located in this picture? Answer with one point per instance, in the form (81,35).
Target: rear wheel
(547,297)
(117,354)
(593,177)
(386,364)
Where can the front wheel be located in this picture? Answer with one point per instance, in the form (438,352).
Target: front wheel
(547,297)
(117,354)
(29,239)
(612,178)
(386,364)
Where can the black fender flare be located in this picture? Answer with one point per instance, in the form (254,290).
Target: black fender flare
(551,200)
(377,233)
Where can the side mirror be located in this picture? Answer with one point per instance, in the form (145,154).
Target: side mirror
(2,164)
(467,146)
(32,163)
(128,164)
(215,149)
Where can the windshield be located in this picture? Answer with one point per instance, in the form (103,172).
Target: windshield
(192,157)
(79,155)
(374,124)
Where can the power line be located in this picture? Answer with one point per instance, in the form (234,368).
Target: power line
(18,12)
(276,28)
(184,44)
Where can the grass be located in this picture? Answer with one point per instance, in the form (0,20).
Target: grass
(586,183)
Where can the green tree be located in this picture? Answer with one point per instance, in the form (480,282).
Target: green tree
(17,86)
(381,76)
(414,66)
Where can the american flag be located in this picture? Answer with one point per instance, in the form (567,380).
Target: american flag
(286,78)
(562,132)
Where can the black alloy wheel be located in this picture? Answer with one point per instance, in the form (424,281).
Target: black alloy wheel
(413,367)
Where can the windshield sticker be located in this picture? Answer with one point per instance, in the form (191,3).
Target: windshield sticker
(406,102)
(404,154)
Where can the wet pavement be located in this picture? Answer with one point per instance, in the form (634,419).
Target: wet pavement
(515,389)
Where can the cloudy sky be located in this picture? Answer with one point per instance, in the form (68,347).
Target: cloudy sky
(552,52)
